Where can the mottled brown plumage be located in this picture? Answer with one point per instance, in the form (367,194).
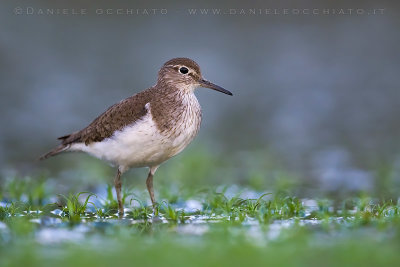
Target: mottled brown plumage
(148,128)
(113,119)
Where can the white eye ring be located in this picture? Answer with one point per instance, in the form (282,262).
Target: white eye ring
(183,70)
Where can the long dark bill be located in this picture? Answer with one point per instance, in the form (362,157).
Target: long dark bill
(207,84)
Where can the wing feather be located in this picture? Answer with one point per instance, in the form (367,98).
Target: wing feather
(113,119)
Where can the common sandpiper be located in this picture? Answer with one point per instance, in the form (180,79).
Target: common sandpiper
(148,128)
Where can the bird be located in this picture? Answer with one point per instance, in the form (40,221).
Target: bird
(147,128)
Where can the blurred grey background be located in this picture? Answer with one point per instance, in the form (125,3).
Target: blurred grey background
(314,94)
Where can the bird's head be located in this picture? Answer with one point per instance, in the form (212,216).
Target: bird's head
(184,74)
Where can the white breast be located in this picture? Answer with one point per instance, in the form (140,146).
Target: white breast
(141,144)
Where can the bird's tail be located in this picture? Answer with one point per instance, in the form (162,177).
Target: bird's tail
(54,152)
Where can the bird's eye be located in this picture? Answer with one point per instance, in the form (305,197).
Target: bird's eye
(183,70)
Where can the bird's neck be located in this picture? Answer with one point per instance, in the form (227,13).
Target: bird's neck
(174,105)
(180,97)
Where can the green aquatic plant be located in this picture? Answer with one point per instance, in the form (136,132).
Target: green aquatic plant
(110,204)
(13,209)
(172,214)
(73,208)
(142,212)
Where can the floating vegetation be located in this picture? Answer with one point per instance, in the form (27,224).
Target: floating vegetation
(43,229)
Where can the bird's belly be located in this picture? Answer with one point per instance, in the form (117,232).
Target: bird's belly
(140,145)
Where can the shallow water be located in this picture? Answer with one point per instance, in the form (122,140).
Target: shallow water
(55,228)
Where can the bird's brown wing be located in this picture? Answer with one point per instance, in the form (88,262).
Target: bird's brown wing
(113,119)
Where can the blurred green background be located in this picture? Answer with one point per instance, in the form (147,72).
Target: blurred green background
(315,107)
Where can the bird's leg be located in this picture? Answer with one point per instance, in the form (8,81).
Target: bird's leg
(149,183)
(118,185)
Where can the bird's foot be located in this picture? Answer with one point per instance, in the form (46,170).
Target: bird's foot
(155,215)
(121,213)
